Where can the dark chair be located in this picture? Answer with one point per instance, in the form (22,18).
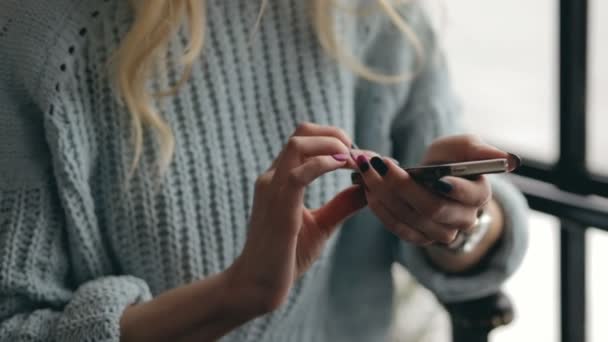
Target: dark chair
(472,321)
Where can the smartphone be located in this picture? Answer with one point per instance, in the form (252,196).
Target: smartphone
(469,169)
(462,169)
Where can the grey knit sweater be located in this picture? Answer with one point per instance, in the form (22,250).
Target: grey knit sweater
(79,242)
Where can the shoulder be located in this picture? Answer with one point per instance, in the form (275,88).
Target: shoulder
(418,15)
(396,41)
(43,45)
(30,28)
(39,39)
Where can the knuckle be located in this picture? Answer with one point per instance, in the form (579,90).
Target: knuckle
(262,182)
(339,144)
(336,145)
(372,202)
(293,144)
(434,211)
(303,127)
(471,139)
(404,233)
(322,163)
(409,235)
(447,236)
(294,178)
(467,223)
(342,134)
(317,163)
(482,200)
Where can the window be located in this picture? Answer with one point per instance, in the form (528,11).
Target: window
(597,283)
(598,83)
(504,56)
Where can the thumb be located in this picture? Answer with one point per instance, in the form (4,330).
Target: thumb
(339,208)
(461,148)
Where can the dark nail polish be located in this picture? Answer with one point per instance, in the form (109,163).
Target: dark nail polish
(443,186)
(514,162)
(362,163)
(379,165)
(355,178)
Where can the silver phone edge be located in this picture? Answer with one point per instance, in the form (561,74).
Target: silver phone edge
(495,166)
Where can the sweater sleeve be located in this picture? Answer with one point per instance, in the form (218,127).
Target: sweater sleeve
(58,281)
(431,111)
(42,297)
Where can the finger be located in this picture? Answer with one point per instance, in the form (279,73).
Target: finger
(461,148)
(370,154)
(291,190)
(438,218)
(475,193)
(370,177)
(381,194)
(400,229)
(308,129)
(356,177)
(432,230)
(300,148)
(338,209)
(424,201)
(313,168)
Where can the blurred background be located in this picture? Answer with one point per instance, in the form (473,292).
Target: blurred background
(505,66)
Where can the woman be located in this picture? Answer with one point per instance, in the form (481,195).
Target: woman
(129,214)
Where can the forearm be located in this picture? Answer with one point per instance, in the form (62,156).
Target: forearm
(203,311)
(453,262)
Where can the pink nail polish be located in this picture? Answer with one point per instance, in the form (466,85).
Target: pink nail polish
(341,157)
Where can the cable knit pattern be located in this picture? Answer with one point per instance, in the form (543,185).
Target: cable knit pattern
(79,241)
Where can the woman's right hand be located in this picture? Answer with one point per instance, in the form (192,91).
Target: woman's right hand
(283,241)
(284,236)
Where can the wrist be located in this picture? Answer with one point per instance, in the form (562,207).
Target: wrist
(200,311)
(243,296)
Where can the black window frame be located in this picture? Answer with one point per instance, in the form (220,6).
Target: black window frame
(565,190)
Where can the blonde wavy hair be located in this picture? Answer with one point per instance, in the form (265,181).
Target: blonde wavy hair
(155,22)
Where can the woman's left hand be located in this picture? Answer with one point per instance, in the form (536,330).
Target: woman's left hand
(423,214)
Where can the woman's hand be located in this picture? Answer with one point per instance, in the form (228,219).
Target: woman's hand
(423,214)
(284,239)
(284,236)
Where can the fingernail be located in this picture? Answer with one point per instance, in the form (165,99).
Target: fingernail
(514,162)
(443,186)
(362,163)
(355,178)
(379,165)
(341,157)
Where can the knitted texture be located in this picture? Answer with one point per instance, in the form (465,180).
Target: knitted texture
(80,241)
